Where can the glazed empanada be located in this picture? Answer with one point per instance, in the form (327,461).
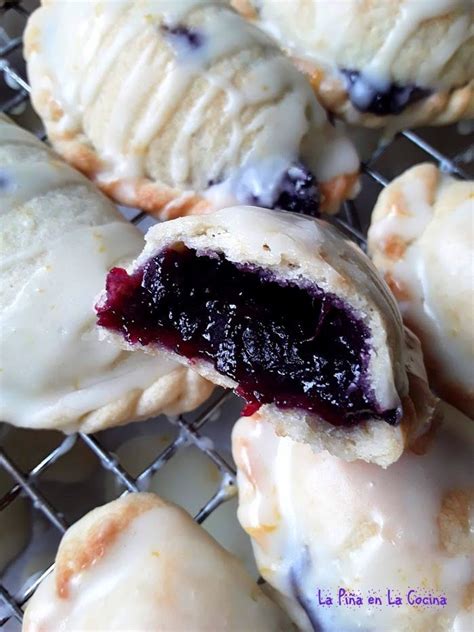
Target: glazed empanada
(324,529)
(289,313)
(59,236)
(182,107)
(422,240)
(396,63)
(140,563)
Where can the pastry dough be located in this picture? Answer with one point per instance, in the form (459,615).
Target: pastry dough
(182,107)
(142,564)
(287,311)
(422,240)
(320,525)
(400,63)
(59,236)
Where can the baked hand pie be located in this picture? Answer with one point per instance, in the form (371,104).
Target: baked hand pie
(325,529)
(59,236)
(422,239)
(397,63)
(286,311)
(140,563)
(183,107)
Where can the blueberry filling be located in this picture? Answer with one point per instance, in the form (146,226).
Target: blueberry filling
(297,191)
(296,347)
(392,99)
(183,38)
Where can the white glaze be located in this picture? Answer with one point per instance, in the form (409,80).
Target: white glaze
(54,370)
(293,127)
(321,32)
(162,573)
(356,526)
(414,13)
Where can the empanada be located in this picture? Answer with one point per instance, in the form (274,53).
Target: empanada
(359,535)
(422,240)
(59,236)
(395,63)
(289,313)
(182,107)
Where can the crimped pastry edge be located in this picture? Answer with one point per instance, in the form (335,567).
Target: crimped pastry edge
(440,108)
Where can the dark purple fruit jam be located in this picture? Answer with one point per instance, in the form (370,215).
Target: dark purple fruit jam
(297,192)
(284,344)
(366,97)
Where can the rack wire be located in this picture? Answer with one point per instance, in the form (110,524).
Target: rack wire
(444,146)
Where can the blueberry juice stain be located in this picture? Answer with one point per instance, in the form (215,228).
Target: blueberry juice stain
(381,100)
(184,39)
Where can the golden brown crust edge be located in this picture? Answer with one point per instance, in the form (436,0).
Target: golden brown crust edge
(162,201)
(177,392)
(245,8)
(80,549)
(441,108)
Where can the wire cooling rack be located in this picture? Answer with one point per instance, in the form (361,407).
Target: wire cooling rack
(47,481)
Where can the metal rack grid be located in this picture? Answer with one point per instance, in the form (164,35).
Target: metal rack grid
(384,163)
